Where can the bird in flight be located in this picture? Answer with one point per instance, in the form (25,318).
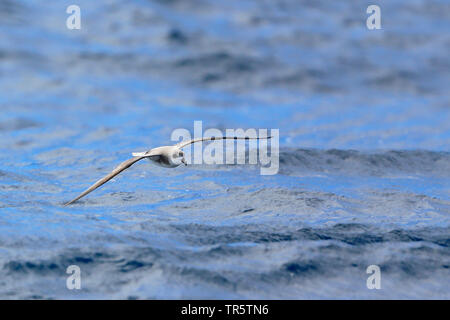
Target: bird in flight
(166,156)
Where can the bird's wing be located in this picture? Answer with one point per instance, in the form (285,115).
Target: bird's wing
(124,165)
(186,143)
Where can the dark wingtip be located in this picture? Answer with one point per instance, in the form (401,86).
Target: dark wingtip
(70,202)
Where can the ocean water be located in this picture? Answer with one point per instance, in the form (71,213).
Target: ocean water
(364,178)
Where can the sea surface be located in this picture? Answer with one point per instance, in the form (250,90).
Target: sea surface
(364,175)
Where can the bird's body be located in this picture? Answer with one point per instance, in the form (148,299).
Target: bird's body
(165,156)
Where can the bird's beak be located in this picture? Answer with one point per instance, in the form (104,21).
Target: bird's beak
(184,161)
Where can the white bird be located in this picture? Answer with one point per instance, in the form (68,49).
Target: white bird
(166,156)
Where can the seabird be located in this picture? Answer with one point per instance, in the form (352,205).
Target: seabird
(166,156)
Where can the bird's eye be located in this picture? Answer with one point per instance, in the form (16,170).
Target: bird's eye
(180,154)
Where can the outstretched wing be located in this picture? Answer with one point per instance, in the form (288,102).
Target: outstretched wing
(186,143)
(124,165)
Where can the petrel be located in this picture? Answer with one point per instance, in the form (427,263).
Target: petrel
(165,156)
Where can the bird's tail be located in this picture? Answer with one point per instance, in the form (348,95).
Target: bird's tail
(139,154)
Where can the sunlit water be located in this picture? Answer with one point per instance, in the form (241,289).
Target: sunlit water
(364,173)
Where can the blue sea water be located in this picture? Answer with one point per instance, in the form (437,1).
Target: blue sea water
(364,123)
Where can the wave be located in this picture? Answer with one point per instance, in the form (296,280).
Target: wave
(234,260)
(352,162)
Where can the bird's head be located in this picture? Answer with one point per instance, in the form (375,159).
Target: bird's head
(178,157)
